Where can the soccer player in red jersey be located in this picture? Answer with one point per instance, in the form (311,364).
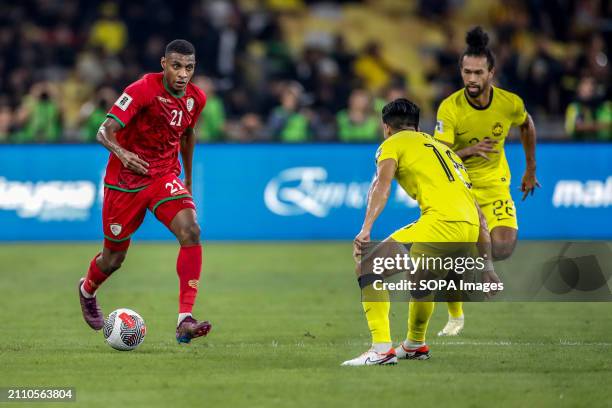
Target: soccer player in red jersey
(147,127)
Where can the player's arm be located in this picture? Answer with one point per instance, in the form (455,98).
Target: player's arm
(484,250)
(107,137)
(481,149)
(528,139)
(379,192)
(187,147)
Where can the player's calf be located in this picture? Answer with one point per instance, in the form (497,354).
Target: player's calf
(100,268)
(111,261)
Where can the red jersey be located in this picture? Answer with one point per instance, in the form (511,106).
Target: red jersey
(153,118)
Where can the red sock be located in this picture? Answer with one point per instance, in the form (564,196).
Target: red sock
(95,277)
(188,268)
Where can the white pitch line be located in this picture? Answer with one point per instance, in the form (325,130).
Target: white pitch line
(501,343)
(564,343)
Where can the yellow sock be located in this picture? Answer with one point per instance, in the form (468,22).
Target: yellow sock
(455,309)
(419,314)
(377,314)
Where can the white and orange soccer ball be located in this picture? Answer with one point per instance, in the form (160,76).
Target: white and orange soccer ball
(124,329)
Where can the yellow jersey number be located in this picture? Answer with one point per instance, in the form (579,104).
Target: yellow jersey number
(500,206)
(457,166)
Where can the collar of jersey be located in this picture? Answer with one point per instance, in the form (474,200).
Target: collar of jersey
(480,107)
(176,95)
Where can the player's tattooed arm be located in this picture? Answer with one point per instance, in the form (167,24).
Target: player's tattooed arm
(107,137)
(377,200)
(187,147)
(528,139)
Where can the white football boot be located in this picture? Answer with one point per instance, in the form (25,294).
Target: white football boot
(372,357)
(453,326)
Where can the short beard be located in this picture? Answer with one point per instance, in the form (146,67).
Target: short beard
(474,94)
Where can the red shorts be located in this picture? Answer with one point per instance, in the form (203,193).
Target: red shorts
(124,210)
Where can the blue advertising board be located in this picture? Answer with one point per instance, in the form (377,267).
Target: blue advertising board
(278,192)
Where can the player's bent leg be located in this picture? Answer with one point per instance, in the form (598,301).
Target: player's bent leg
(503,241)
(100,268)
(185,227)
(376,307)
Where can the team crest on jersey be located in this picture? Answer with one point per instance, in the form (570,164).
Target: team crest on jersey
(189,104)
(115,229)
(439,126)
(124,101)
(498,129)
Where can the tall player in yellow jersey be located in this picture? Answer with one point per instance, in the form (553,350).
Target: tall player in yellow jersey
(475,121)
(433,175)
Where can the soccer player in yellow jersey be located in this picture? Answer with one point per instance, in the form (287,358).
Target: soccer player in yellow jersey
(475,121)
(433,175)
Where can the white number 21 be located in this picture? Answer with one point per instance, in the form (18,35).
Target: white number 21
(177,116)
(174,187)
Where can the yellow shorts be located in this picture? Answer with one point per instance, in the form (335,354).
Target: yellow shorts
(438,239)
(497,206)
(429,229)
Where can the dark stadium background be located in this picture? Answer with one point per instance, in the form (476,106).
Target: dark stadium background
(63,62)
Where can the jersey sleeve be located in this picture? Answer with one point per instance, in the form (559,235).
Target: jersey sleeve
(133,99)
(386,150)
(445,123)
(519,113)
(199,108)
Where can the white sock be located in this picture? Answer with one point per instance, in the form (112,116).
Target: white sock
(86,294)
(412,345)
(182,317)
(381,347)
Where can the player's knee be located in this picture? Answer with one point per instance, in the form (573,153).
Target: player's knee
(502,250)
(189,234)
(113,262)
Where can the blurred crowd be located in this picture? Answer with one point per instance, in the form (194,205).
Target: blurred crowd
(275,71)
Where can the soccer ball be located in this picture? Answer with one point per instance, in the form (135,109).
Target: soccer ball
(124,329)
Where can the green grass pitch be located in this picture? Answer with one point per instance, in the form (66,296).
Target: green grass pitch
(284,317)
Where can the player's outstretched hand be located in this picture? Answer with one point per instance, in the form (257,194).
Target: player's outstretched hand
(529,183)
(133,162)
(489,276)
(484,147)
(362,238)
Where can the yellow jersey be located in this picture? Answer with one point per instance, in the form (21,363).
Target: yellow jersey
(461,124)
(432,174)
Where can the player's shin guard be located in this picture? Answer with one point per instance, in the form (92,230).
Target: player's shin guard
(455,309)
(419,313)
(376,306)
(188,269)
(95,277)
